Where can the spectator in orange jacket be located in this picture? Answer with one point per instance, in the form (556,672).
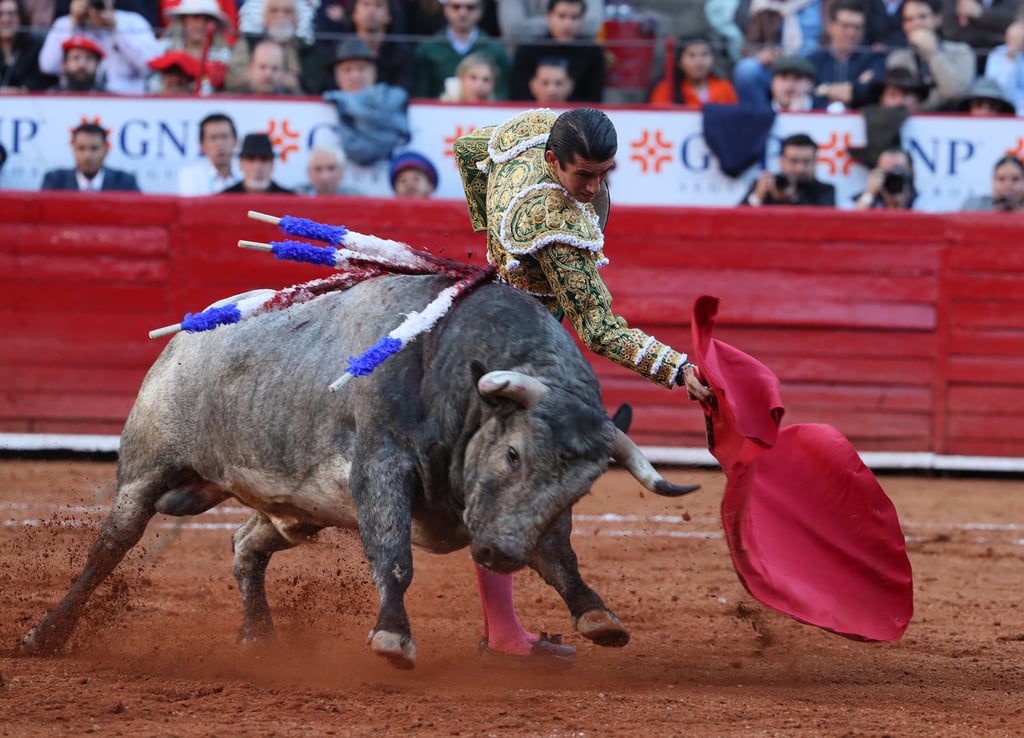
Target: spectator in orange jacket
(693,83)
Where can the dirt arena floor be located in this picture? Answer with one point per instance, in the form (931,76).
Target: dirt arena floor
(156,654)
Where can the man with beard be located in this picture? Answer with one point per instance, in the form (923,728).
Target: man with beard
(82,59)
(304,67)
(256,160)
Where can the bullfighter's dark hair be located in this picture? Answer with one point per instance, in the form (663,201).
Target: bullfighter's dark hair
(586,132)
(92,129)
(216,118)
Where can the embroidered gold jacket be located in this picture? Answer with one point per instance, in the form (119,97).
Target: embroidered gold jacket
(545,242)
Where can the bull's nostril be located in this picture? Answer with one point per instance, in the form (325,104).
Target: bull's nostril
(484,555)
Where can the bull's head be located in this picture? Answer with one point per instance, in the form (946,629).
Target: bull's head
(537,451)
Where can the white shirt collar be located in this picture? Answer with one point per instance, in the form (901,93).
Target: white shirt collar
(96,183)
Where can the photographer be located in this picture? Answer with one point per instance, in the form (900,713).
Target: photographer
(126,38)
(794,184)
(890,184)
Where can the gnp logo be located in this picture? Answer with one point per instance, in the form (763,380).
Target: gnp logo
(651,151)
(835,155)
(286,141)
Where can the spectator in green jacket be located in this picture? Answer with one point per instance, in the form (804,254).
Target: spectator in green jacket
(437,56)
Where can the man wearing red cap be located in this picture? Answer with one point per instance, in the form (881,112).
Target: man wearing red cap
(82,59)
(126,38)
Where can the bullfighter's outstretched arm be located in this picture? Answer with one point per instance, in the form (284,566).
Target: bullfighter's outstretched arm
(587,304)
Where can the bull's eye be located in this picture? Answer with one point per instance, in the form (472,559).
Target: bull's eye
(512,457)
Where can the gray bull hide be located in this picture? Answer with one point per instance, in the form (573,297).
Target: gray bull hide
(483,432)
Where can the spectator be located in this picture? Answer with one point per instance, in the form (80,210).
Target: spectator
(304,68)
(473,82)
(396,60)
(1006,63)
(947,67)
(1007,189)
(883,25)
(191,21)
(41,14)
(253,15)
(844,70)
(899,87)
(585,62)
(693,83)
(526,19)
(437,56)
(412,175)
(217,141)
(126,38)
(175,73)
(19,51)
(985,98)
(981,24)
(752,75)
(721,18)
(551,83)
(795,183)
(256,160)
(325,169)
(801,22)
(890,184)
(265,73)
(372,116)
(80,66)
(89,145)
(791,85)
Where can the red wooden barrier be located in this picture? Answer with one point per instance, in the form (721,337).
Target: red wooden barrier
(905,331)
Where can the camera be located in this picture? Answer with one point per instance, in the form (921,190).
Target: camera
(894,181)
(781,182)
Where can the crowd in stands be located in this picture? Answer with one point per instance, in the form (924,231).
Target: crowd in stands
(884,58)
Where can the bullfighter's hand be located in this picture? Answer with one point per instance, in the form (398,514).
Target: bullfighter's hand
(695,389)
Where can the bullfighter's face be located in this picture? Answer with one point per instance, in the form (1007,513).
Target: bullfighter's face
(581,177)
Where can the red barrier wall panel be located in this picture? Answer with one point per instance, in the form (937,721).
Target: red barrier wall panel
(905,331)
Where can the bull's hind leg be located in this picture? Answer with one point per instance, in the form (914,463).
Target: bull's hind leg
(122,529)
(253,544)
(556,562)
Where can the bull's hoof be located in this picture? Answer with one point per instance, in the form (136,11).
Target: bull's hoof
(602,627)
(37,643)
(399,650)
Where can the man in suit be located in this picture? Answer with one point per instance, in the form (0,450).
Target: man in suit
(256,160)
(795,183)
(89,144)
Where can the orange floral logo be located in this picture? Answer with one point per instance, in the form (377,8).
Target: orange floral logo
(1018,150)
(651,151)
(836,155)
(285,141)
(449,141)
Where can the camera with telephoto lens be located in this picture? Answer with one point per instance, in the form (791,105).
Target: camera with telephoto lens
(782,182)
(895,181)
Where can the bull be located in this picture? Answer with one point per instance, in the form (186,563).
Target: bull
(483,433)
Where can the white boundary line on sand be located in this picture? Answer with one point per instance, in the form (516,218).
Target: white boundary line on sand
(666,455)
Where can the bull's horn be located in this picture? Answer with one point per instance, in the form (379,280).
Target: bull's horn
(522,388)
(628,455)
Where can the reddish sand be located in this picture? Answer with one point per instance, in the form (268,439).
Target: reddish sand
(156,654)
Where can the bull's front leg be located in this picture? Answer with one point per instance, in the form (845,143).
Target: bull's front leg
(556,562)
(382,488)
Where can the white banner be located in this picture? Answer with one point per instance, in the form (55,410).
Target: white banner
(663,159)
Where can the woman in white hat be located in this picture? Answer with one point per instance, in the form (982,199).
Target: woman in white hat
(189,23)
